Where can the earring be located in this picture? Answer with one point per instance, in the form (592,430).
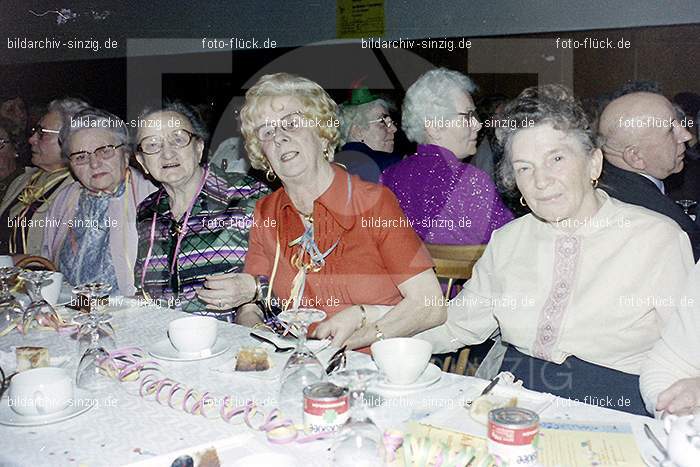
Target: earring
(326,155)
(522,202)
(270,175)
(594,183)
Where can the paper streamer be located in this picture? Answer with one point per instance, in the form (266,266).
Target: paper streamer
(130,364)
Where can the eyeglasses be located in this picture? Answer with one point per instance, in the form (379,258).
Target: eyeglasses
(103,152)
(4,142)
(43,131)
(385,119)
(289,124)
(179,138)
(469,114)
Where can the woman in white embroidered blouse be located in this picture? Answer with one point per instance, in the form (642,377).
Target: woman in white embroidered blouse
(670,380)
(580,288)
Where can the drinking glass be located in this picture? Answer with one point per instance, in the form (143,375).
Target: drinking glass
(39,310)
(94,292)
(687,204)
(360,442)
(303,367)
(95,340)
(10,309)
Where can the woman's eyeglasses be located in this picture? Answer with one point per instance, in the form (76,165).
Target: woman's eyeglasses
(469,115)
(385,119)
(41,131)
(179,138)
(289,124)
(103,152)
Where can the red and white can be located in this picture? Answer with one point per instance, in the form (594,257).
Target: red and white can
(512,435)
(326,407)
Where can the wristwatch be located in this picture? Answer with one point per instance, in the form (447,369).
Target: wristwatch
(379,334)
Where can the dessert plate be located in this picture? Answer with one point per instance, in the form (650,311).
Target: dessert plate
(79,405)
(430,376)
(164,350)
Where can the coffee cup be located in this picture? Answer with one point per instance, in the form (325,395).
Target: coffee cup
(41,391)
(402,360)
(192,335)
(52,291)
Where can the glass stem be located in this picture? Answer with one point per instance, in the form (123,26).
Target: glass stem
(5,294)
(301,341)
(358,407)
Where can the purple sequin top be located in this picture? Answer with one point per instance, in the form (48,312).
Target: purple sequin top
(446,200)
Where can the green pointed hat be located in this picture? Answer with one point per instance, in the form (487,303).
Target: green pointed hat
(361,96)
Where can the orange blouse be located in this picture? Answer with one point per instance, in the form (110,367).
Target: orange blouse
(377,248)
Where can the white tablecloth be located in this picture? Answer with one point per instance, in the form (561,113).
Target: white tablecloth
(124,428)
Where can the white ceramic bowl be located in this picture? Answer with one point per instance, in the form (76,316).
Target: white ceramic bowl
(193,334)
(41,391)
(402,359)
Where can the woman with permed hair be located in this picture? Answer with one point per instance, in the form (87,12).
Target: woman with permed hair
(580,288)
(327,239)
(446,200)
(193,231)
(91,236)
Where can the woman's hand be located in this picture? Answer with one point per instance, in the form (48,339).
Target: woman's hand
(226,291)
(340,326)
(681,398)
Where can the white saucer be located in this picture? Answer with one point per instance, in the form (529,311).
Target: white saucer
(164,350)
(81,404)
(430,376)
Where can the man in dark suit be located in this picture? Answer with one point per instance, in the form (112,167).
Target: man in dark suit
(643,142)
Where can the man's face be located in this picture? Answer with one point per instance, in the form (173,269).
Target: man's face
(46,153)
(663,147)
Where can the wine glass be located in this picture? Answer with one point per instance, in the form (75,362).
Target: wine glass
(94,293)
(10,309)
(95,340)
(360,442)
(686,204)
(303,367)
(39,309)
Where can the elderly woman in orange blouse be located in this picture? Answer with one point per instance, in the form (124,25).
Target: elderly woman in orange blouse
(327,239)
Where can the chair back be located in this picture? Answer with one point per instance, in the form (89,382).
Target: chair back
(31,262)
(454,263)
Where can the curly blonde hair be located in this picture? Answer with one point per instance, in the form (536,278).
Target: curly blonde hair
(317,105)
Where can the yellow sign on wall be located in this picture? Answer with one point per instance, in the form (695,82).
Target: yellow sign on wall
(359,18)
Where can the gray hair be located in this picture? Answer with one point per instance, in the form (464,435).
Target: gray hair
(92,119)
(66,108)
(357,115)
(550,103)
(432,95)
(187,111)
